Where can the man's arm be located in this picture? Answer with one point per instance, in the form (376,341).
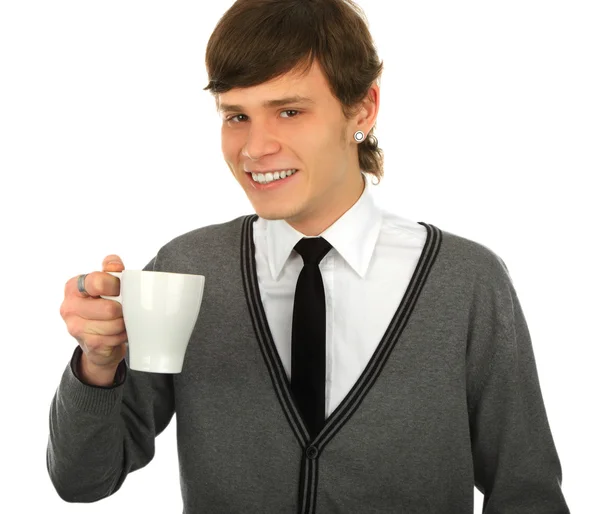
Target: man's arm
(514,457)
(100,434)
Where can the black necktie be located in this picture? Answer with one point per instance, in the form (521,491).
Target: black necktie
(308,335)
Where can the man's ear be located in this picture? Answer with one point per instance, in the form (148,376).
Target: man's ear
(367,115)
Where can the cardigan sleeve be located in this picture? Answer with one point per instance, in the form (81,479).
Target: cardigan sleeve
(100,434)
(515,462)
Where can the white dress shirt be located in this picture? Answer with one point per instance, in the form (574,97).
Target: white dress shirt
(365,276)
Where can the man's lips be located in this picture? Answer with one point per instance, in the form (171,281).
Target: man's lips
(270,171)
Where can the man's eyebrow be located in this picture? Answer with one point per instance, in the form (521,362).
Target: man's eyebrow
(296,99)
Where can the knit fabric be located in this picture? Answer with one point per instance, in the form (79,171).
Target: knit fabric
(449,400)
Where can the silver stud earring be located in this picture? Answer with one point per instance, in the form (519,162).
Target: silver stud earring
(359,135)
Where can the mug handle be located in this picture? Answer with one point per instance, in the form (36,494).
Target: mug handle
(116,298)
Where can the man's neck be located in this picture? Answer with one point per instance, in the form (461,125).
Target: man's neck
(320,222)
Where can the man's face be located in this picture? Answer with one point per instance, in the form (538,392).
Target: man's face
(311,136)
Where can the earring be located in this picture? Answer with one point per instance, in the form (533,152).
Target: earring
(359,135)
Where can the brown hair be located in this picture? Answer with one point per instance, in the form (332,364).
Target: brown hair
(258,40)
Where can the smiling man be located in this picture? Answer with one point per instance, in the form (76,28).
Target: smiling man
(294,125)
(345,358)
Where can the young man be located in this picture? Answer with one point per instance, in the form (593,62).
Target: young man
(345,359)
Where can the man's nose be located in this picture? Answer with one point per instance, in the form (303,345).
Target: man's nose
(260,141)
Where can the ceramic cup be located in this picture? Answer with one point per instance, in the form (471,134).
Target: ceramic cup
(160,310)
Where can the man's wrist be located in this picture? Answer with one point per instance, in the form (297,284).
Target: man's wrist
(96,376)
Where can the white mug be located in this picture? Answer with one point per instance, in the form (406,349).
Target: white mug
(160,310)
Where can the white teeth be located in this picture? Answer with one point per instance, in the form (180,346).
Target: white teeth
(265,178)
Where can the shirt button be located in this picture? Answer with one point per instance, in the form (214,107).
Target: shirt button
(312,452)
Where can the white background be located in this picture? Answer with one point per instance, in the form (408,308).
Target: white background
(490,122)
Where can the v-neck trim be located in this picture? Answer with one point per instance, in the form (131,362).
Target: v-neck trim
(351,402)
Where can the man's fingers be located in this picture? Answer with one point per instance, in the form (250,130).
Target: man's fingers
(96,283)
(96,323)
(98,309)
(104,328)
(112,263)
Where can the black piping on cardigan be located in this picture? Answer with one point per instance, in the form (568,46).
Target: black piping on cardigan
(308,480)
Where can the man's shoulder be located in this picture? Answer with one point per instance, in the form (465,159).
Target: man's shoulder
(471,257)
(213,231)
(454,248)
(208,239)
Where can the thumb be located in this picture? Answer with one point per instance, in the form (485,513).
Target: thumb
(112,263)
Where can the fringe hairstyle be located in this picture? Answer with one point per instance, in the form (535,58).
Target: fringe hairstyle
(259,40)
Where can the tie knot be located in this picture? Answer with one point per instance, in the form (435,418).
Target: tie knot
(312,249)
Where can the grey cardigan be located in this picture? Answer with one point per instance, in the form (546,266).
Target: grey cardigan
(449,400)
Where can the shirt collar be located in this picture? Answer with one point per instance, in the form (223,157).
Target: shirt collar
(353,235)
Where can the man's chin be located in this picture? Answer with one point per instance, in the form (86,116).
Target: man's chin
(272,215)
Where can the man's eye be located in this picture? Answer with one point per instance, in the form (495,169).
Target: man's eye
(232,118)
(236,117)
